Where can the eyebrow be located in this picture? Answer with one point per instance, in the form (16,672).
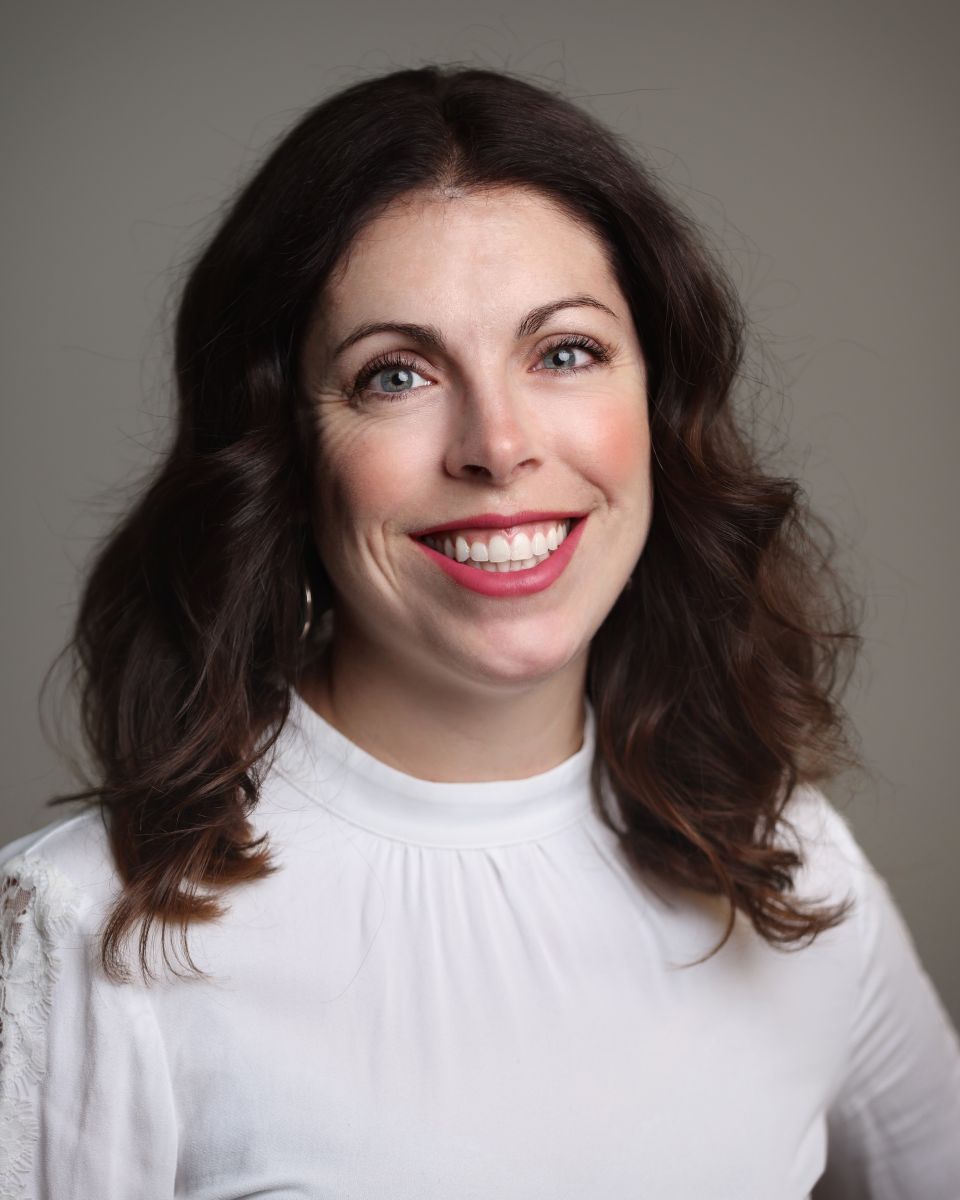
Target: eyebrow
(429,335)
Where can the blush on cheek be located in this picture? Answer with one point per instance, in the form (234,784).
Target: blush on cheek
(618,447)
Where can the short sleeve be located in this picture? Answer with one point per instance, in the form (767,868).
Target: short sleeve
(894,1124)
(86,1106)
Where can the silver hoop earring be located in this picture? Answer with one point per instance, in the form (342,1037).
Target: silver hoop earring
(307,608)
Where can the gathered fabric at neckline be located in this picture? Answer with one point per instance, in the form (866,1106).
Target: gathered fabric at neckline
(327,767)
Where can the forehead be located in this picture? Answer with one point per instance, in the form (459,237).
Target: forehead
(492,249)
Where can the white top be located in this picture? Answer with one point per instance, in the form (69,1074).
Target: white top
(460,990)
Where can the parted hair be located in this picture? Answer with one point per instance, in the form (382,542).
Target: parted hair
(715,678)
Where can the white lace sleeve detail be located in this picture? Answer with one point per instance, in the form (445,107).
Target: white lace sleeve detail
(37,905)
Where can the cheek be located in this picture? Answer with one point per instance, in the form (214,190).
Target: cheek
(366,478)
(615,446)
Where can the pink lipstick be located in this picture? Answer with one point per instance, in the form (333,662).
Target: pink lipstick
(508,583)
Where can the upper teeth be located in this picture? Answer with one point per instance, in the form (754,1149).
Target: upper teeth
(530,544)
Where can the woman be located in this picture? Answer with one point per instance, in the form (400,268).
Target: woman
(460,687)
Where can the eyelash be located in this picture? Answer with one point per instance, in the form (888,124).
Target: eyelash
(399,361)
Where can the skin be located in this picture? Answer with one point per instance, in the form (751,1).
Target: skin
(430,677)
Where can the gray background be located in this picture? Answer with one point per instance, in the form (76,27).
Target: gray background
(815,141)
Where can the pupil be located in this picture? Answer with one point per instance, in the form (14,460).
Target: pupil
(400,376)
(564,352)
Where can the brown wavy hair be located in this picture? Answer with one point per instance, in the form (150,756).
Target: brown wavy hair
(714,678)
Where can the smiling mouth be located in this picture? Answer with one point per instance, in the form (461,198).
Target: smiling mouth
(518,549)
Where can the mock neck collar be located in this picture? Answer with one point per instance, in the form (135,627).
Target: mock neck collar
(327,767)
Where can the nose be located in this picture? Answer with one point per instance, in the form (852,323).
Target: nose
(494,434)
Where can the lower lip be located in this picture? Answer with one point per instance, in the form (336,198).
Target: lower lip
(510,583)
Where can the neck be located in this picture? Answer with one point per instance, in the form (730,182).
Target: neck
(448,730)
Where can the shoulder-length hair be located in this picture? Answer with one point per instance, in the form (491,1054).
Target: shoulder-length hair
(714,678)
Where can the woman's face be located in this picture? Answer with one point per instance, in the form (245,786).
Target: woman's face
(484,416)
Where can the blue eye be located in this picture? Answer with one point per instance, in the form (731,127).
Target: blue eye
(567,345)
(568,360)
(399,372)
(569,355)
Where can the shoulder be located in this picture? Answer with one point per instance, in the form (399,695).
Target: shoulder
(833,865)
(877,948)
(45,897)
(71,851)
(68,1035)
(57,878)
(53,882)
(895,1098)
